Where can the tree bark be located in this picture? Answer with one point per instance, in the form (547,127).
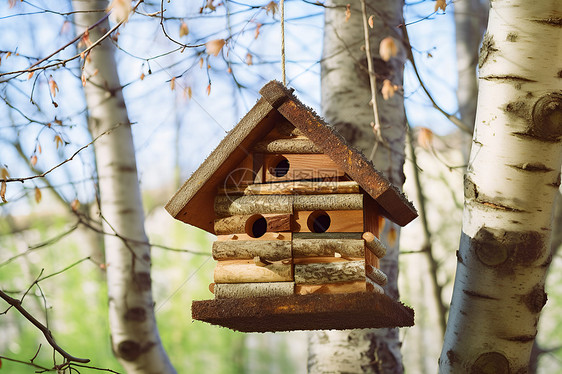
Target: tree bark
(511,183)
(345,102)
(134,335)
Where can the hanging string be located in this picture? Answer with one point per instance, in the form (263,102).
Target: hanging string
(282,6)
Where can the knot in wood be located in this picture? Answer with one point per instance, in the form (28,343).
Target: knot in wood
(547,117)
(128,350)
(490,363)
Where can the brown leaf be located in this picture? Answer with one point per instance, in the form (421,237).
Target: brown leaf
(388,89)
(209,89)
(58,141)
(214,47)
(37,195)
(347,12)
(249,59)
(30,75)
(3,191)
(75,205)
(258,26)
(33,160)
(440,4)
(372,21)
(142,76)
(66,26)
(271,7)
(388,48)
(4,174)
(201,62)
(184,30)
(188,92)
(53,86)
(173,83)
(39,148)
(425,138)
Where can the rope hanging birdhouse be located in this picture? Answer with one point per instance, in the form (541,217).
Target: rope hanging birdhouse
(297,213)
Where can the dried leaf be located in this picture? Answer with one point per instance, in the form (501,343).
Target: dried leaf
(210,5)
(214,47)
(209,89)
(201,62)
(372,21)
(85,40)
(53,86)
(142,76)
(187,92)
(229,70)
(120,10)
(39,148)
(425,138)
(347,12)
(173,83)
(388,48)
(8,54)
(440,4)
(75,205)
(3,191)
(388,89)
(66,26)
(33,160)
(37,195)
(30,75)
(258,27)
(271,7)
(249,59)
(392,236)
(58,141)
(184,30)
(4,174)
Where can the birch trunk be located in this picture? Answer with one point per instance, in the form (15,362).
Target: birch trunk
(510,187)
(134,335)
(345,102)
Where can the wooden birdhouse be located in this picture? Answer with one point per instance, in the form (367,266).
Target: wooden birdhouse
(297,213)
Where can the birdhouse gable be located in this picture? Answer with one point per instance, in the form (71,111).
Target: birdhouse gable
(281,147)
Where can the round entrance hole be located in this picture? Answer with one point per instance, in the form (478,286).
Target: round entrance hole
(281,167)
(318,221)
(256,226)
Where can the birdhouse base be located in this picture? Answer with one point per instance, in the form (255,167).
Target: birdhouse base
(304,312)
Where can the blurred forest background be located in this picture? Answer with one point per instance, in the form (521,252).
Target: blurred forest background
(181,102)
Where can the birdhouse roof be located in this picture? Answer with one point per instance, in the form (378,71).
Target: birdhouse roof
(193,203)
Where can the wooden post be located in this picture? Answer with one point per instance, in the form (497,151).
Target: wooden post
(371,213)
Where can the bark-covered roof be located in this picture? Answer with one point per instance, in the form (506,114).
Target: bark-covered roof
(193,203)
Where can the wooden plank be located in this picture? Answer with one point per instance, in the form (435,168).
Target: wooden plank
(371,224)
(328,202)
(241,290)
(238,224)
(246,271)
(294,188)
(319,273)
(301,166)
(328,247)
(328,235)
(339,221)
(257,168)
(293,145)
(267,236)
(242,174)
(269,250)
(241,205)
(330,288)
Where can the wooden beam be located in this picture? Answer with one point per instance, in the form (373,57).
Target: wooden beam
(294,145)
(233,205)
(319,273)
(294,188)
(241,290)
(373,244)
(265,237)
(246,271)
(327,247)
(237,224)
(376,275)
(339,221)
(270,250)
(328,235)
(331,288)
(328,202)
(371,224)
(301,166)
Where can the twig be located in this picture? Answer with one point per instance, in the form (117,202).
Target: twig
(46,332)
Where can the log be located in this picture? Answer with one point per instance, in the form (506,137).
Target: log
(328,247)
(327,235)
(293,188)
(270,250)
(328,202)
(246,271)
(373,244)
(266,236)
(292,145)
(373,287)
(324,260)
(339,220)
(244,205)
(330,272)
(240,290)
(332,288)
(238,224)
(376,275)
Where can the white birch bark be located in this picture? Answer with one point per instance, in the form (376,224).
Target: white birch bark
(134,335)
(345,102)
(510,186)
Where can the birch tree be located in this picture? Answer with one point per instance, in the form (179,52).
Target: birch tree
(134,335)
(346,96)
(510,186)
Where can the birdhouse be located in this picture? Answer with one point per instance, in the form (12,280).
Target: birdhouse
(297,213)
